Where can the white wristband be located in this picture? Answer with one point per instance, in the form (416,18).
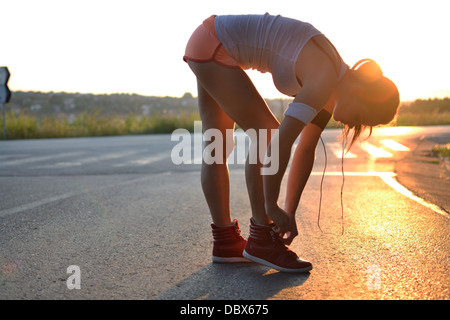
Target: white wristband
(301,111)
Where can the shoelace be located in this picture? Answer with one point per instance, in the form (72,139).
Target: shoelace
(279,243)
(237,234)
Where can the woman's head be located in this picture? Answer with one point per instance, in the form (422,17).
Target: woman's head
(365,98)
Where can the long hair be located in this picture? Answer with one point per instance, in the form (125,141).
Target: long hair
(355,134)
(379,94)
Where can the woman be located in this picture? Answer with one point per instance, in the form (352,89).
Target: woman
(305,65)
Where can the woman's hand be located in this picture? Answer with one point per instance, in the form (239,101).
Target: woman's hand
(280,218)
(289,236)
(285,224)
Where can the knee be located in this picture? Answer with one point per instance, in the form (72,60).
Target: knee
(219,144)
(229,146)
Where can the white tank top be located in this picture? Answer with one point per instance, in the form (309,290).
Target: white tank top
(268,44)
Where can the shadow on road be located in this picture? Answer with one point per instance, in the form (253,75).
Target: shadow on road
(238,281)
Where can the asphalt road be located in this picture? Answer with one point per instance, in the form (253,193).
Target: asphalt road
(137,227)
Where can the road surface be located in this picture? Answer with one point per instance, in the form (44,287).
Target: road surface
(136,226)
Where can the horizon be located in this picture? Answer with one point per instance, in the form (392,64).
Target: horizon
(194,96)
(109,47)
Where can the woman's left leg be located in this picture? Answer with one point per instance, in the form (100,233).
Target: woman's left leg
(215,176)
(238,98)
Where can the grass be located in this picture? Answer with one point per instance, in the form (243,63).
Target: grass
(28,126)
(442,150)
(423,118)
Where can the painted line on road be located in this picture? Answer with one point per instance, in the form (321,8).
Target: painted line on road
(35,204)
(336,149)
(358,174)
(144,161)
(80,162)
(41,202)
(388,178)
(375,152)
(37,159)
(399,188)
(394,145)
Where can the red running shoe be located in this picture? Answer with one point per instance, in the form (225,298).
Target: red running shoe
(264,246)
(228,244)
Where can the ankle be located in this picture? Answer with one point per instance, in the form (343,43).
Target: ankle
(224,223)
(262,222)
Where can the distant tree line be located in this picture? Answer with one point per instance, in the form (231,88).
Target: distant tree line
(71,105)
(62,103)
(427,105)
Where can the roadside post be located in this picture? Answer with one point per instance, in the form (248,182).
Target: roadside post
(5,94)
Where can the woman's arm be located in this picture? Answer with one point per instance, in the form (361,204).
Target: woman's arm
(312,94)
(303,159)
(319,80)
(281,142)
(301,166)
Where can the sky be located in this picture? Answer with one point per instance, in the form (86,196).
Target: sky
(136,46)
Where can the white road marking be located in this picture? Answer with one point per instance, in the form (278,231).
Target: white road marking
(83,161)
(35,204)
(399,188)
(336,149)
(41,202)
(375,151)
(37,159)
(394,145)
(6,156)
(388,178)
(144,161)
(357,174)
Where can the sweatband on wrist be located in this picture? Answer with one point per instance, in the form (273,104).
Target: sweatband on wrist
(322,119)
(301,111)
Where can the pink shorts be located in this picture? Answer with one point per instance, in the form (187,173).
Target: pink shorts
(205,46)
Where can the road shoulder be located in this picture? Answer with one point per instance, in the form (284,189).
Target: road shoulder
(425,174)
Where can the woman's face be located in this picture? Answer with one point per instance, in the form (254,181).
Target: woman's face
(349,109)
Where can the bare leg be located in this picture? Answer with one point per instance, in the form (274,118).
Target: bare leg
(215,177)
(254,181)
(236,95)
(301,166)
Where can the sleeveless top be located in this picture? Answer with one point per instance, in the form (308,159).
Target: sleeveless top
(270,44)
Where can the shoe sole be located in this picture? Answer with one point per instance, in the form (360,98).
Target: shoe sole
(229,259)
(273,266)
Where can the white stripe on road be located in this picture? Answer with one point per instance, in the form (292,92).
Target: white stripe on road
(41,202)
(394,145)
(6,156)
(35,204)
(388,178)
(374,151)
(80,162)
(399,188)
(144,161)
(37,159)
(336,149)
(357,174)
